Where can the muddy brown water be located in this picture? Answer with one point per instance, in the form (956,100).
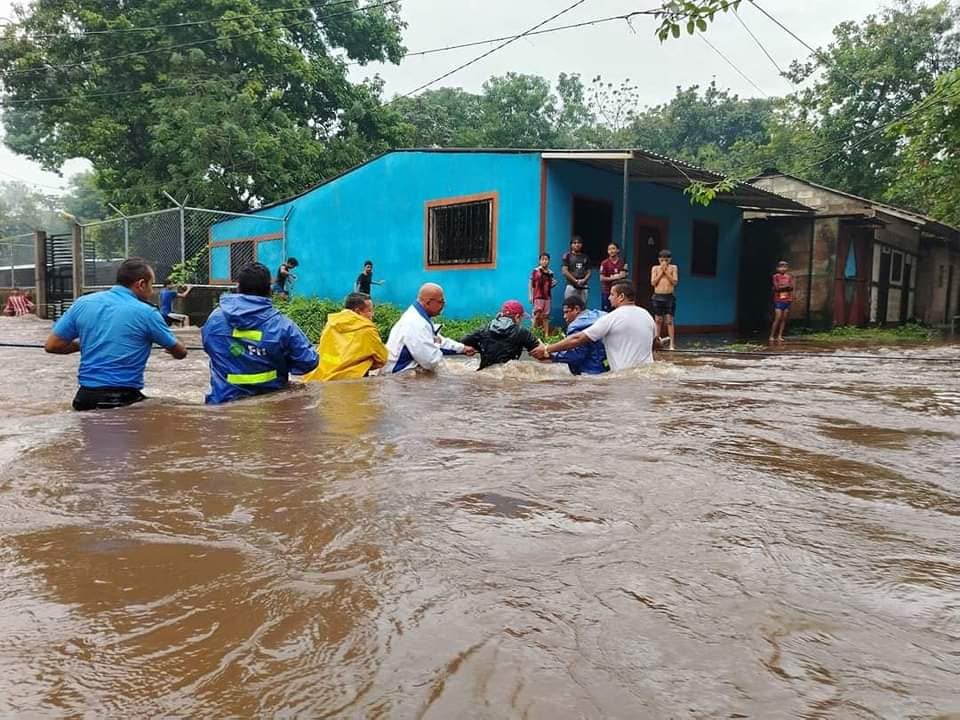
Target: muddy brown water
(709,537)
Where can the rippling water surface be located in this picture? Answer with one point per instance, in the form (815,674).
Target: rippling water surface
(753,537)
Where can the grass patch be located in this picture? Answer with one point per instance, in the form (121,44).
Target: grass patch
(910,332)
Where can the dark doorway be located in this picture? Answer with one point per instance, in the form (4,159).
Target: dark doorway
(649,238)
(593,222)
(905,292)
(883,285)
(764,243)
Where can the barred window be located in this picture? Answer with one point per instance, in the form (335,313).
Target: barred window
(242,253)
(461,231)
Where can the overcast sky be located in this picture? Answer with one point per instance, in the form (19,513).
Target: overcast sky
(611,49)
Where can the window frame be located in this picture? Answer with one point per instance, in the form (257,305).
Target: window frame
(493,198)
(894,255)
(255,239)
(716,250)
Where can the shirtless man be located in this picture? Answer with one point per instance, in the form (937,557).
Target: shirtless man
(664,278)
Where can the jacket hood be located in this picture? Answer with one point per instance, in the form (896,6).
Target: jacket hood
(584,320)
(502,325)
(243,311)
(346,321)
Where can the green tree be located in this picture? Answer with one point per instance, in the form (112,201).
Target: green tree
(253,105)
(23,210)
(518,111)
(84,199)
(446,117)
(872,73)
(930,159)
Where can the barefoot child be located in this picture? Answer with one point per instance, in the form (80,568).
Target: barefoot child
(664,278)
(782,298)
(542,282)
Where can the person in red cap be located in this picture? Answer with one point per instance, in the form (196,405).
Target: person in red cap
(504,339)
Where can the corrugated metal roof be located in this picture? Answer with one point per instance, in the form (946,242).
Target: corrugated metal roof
(643,166)
(932,224)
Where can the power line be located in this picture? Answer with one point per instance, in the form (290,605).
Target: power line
(31,182)
(188,23)
(586,23)
(759,44)
(446,48)
(195,43)
(820,55)
(731,64)
(488,53)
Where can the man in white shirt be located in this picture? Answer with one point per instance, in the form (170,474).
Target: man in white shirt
(414,341)
(627,333)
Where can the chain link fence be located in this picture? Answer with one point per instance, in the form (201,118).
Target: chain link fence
(17,258)
(192,246)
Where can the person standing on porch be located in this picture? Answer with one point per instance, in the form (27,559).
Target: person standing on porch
(664,277)
(782,299)
(612,269)
(576,269)
(542,283)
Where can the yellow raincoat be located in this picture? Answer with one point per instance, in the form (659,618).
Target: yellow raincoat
(348,346)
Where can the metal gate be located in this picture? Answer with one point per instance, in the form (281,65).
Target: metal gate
(59,265)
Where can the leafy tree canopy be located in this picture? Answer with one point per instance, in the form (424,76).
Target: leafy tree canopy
(227,103)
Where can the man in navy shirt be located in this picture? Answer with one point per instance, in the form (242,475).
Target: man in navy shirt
(114,331)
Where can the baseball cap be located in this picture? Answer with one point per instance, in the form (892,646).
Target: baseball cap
(512,308)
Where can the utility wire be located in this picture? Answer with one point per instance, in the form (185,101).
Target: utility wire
(196,43)
(731,64)
(820,55)
(488,53)
(759,44)
(187,23)
(431,51)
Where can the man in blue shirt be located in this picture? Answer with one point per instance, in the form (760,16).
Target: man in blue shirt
(114,331)
(167,295)
(252,346)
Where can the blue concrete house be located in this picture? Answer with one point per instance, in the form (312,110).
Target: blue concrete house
(475,221)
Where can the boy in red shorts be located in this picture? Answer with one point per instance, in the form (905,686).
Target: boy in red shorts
(542,283)
(782,298)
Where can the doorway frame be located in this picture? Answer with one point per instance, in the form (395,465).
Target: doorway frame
(599,200)
(659,222)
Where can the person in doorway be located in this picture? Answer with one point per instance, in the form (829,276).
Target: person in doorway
(576,270)
(627,332)
(504,339)
(365,279)
(415,342)
(18,303)
(114,331)
(612,269)
(350,345)
(285,278)
(782,299)
(167,295)
(252,346)
(664,278)
(542,282)
(589,358)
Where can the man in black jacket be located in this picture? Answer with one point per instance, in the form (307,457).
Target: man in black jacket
(504,339)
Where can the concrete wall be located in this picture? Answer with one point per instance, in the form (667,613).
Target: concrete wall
(701,301)
(377,212)
(933,305)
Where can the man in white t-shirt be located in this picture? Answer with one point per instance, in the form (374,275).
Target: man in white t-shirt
(627,332)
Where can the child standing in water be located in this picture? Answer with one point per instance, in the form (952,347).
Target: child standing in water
(782,298)
(542,283)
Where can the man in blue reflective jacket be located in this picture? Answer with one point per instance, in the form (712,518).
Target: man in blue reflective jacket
(588,359)
(252,345)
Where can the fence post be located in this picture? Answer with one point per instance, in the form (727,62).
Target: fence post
(126,237)
(77,268)
(13,265)
(40,272)
(183,243)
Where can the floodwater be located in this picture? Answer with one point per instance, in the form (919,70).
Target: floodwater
(709,537)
